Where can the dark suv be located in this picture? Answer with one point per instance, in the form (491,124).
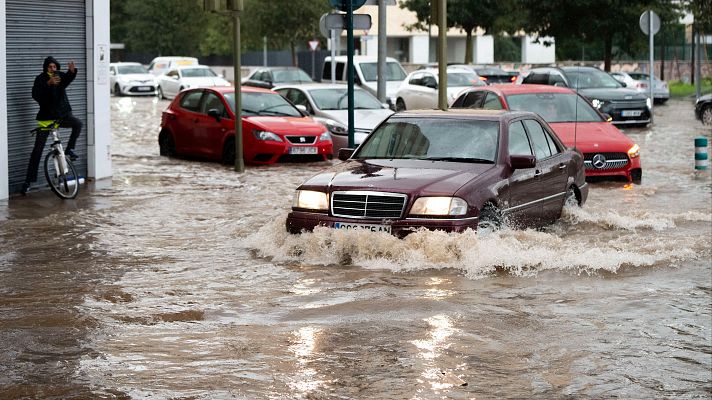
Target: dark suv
(703,109)
(625,106)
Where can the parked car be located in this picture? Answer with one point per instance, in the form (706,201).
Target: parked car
(366,74)
(160,65)
(419,90)
(328,104)
(269,77)
(640,81)
(200,122)
(607,151)
(492,75)
(703,109)
(192,76)
(131,78)
(448,170)
(625,106)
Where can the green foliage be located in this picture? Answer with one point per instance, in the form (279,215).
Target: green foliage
(679,89)
(702,11)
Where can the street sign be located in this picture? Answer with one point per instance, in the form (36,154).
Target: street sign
(644,22)
(313,44)
(343,4)
(338,21)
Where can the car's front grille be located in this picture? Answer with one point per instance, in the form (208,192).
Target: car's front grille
(599,161)
(301,139)
(628,104)
(364,204)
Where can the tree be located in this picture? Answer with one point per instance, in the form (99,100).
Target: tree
(592,21)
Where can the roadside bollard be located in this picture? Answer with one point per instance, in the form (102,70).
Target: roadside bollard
(701,160)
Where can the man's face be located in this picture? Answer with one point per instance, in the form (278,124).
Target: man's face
(51,68)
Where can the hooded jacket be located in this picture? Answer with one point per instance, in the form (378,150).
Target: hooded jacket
(52,99)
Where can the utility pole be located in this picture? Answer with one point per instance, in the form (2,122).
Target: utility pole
(442,54)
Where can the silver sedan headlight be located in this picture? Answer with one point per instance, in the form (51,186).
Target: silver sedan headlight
(311,199)
(433,206)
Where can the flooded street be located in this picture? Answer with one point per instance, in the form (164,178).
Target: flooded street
(177,280)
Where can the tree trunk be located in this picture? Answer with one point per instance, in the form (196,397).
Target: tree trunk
(294,54)
(692,58)
(608,50)
(468,47)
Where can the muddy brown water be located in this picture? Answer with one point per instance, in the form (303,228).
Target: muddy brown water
(175,279)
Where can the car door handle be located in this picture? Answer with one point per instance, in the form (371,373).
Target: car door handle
(537,172)
(562,166)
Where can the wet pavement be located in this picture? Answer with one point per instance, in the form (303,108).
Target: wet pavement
(175,279)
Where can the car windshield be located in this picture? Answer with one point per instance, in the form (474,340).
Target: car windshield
(394,72)
(337,99)
(198,73)
(591,78)
(437,139)
(463,78)
(555,107)
(131,69)
(263,104)
(291,76)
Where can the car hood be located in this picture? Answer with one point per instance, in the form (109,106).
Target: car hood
(363,119)
(137,77)
(287,125)
(400,176)
(612,94)
(592,136)
(205,81)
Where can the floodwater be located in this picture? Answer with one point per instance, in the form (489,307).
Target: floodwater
(176,280)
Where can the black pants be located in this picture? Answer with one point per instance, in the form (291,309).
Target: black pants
(41,140)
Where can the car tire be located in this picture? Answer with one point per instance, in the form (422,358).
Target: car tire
(571,198)
(117,90)
(491,218)
(166,144)
(160,93)
(706,115)
(228,153)
(400,105)
(636,176)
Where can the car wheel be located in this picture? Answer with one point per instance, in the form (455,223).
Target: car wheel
(166,144)
(117,90)
(160,93)
(490,218)
(400,105)
(571,198)
(228,153)
(636,175)
(707,115)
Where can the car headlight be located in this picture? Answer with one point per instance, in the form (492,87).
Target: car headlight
(634,151)
(649,102)
(439,206)
(325,137)
(597,103)
(311,199)
(335,127)
(266,136)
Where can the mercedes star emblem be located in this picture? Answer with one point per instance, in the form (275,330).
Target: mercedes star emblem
(599,161)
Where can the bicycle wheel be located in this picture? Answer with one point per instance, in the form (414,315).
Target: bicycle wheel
(64,185)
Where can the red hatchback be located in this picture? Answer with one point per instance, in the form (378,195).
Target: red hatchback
(201,122)
(607,151)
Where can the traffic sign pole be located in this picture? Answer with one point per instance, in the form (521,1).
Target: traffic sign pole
(350,66)
(651,34)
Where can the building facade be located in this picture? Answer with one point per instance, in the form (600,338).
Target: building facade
(68,30)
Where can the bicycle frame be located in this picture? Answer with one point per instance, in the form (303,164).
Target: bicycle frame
(60,162)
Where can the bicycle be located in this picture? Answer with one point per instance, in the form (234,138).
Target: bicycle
(58,169)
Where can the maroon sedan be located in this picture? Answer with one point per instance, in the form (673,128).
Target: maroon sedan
(449,170)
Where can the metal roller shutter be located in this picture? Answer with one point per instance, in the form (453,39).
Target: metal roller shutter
(37,29)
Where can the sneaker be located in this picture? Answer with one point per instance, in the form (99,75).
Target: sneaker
(72,155)
(25,188)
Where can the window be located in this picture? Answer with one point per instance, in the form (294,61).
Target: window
(544,145)
(492,102)
(297,97)
(471,100)
(518,142)
(326,71)
(212,101)
(340,67)
(557,80)
(191,100)
(429,81)
(538,78)
(416,79)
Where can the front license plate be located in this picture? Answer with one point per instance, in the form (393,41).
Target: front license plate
(368,227)
(631,113)
(303,150)
(144,88)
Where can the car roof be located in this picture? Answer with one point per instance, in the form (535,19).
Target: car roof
(468,113)
(230,89)
(507,89)
(315,85)
(125,63)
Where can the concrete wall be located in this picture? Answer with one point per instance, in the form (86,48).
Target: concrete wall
(483,49)
(537,53)
(419,49)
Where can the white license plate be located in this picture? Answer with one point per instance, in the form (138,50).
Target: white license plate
(631,113)
(303,150)
(368,227)
(144,88)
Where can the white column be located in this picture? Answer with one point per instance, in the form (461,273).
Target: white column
(99,103)
(456,47)
(4,166)
(371,45)
(537,53)
(419,49)
(483,49)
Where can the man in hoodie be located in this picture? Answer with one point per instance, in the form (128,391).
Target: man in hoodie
(49,91)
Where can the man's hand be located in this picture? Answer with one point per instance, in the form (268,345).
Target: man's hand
(72,68)
(54,80)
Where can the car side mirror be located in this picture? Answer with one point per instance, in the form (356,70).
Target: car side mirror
(345,153)
(213,112)
(624,84)
(303,109)
(522,161)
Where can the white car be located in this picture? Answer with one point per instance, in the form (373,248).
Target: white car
(328,103)
(130,78)
(177,79)
(366,74)
(419,90)
(640,82)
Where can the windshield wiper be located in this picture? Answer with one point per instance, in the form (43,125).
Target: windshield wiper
(459,159)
